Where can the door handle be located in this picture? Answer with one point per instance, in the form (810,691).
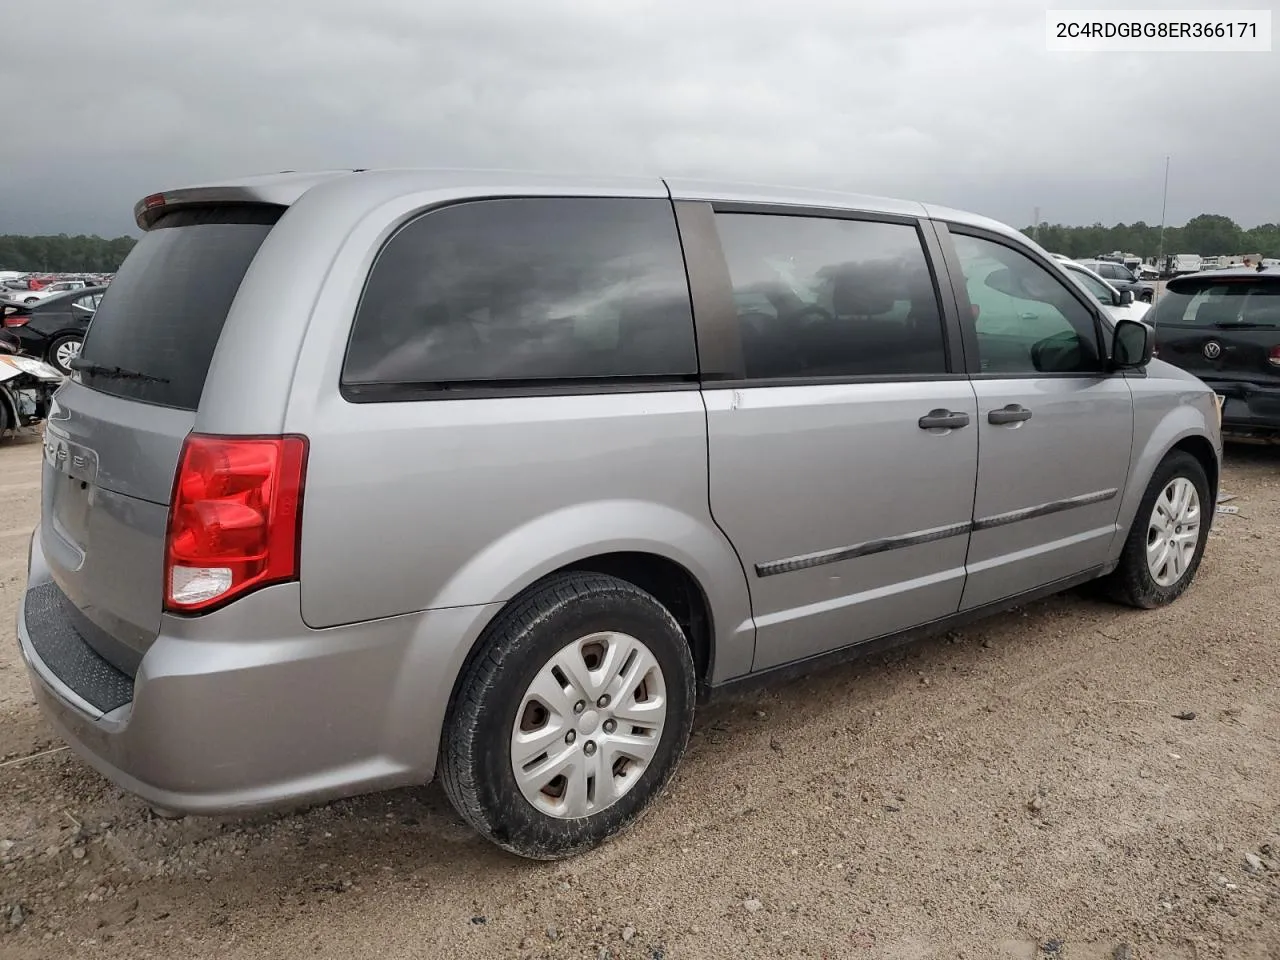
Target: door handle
(1028,316)
(943,419)
(1013,413)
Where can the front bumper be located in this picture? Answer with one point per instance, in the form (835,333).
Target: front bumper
(247,708)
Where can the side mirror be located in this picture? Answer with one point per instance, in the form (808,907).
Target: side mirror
(1126,298)
(1133,344)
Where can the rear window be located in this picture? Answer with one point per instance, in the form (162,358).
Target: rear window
(538,291)
(1212,303)
(154,333)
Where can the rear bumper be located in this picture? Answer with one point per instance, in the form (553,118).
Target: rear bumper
(1250,409)
(248,709)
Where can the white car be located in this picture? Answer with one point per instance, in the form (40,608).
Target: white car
(1110,298)
(33,296)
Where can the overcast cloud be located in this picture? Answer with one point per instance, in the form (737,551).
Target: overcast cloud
(955,101)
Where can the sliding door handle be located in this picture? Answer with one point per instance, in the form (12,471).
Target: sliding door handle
(943,419)
(1013,413)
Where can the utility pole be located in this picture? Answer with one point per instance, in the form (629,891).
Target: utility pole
(1035,226)
(1164,206)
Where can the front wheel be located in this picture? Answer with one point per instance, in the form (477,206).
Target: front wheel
(1167,538)
(572,717)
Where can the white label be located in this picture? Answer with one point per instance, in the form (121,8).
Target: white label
(1159,31)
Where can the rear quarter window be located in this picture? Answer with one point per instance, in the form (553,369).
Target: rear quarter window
(156,327)
(539,291)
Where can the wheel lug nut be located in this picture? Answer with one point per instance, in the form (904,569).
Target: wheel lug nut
(603,701)
(580,706)
(589,749)
(571,736)
(610,726)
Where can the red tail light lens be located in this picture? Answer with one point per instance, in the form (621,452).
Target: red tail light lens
(15,319)
(1273,357)
(234,520)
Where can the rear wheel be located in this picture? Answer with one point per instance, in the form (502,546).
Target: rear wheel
(572,717)
(1167,538)
(63,350)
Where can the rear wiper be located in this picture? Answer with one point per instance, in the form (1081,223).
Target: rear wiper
(114,373)
(1245,326)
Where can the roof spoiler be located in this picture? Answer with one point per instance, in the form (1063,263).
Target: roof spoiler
(277,189)
(150,209)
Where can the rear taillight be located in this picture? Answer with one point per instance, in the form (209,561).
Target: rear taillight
(15,319)
(1273,357)
(234,520)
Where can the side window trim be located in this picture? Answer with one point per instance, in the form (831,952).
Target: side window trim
(715,317)
(968,328)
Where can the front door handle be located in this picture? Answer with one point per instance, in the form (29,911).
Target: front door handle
(1013,413)
(943,419)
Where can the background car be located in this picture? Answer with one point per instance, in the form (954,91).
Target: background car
(1122,278)
(48,290)
(53,329)
(1120,305)
(1224,326)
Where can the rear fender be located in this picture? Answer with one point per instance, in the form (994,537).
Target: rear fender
(505,567)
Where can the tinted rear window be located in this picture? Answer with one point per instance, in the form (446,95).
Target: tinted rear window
(540,290)
(1211,303)
(160,320)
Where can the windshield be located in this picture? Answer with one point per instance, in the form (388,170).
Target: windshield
(1218,304)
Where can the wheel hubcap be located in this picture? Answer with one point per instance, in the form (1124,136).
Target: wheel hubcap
(67,352)
(1173,532)
(572,761)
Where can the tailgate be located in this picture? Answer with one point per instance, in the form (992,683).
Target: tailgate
(114,436)
(1222,328)
(108,472)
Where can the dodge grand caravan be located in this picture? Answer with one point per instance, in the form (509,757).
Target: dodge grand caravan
(365,478)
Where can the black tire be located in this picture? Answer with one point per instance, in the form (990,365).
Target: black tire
(475,760)
(51,355)
(1132,583)
(1148,296)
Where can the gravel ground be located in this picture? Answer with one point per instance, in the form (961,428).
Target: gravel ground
(1022,789)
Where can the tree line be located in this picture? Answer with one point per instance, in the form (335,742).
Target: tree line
(63,253)
(1208,235)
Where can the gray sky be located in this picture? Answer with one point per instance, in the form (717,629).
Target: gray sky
(955,101)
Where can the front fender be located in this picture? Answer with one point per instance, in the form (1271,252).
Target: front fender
(570,535)
(1159,426)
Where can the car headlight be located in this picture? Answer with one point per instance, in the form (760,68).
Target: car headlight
(34,367)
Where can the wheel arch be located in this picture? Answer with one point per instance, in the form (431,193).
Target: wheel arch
(1183,428)
(1200,448)
(671,583)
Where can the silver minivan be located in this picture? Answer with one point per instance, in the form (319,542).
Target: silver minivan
(366,478)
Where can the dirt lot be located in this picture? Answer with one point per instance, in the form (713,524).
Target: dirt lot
(1023,789)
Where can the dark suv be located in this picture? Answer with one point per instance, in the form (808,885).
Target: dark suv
(1224,326)
(1122,278)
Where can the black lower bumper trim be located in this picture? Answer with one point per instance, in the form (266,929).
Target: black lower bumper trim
(68,657)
